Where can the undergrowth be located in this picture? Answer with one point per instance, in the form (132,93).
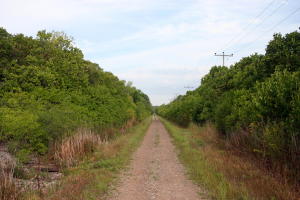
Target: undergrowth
(224,173)
(92,178)
(71,149)
(199,168)
(8,188)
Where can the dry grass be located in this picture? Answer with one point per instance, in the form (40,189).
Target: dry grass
(112,148)
(242,169)
(71,149)
(8,188)
(72,187)
(91,179)
(93,176)
(224,170)
(128,124)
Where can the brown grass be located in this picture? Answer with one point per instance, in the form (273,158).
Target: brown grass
(8,188)
(128,124)
(71,149)
(74,187)
(82,181)
(240,168)
(92,178)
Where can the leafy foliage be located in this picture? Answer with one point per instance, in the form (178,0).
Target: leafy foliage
(258,95)
(47,89)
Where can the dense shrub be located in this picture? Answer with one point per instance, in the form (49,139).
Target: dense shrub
(259,95)
(48,90)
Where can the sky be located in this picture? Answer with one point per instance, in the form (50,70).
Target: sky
(164,47)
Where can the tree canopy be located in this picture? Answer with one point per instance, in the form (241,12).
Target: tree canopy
(48,89)
(259,95)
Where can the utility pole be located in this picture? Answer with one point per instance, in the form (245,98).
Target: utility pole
(223,55)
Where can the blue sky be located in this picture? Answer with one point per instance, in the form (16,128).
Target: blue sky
(160,45)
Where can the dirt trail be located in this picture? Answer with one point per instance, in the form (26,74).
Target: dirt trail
(155,172)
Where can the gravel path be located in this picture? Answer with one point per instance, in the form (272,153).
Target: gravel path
(155,172)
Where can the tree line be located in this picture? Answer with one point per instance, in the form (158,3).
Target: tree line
(48,89)
(256,100)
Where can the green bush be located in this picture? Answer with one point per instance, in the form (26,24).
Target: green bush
(259,95)
(47,90)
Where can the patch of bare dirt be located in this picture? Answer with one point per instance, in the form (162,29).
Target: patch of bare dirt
(155,172)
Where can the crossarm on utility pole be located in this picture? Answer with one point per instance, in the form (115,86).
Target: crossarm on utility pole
(223,55)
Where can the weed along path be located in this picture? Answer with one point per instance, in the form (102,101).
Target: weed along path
(155,171)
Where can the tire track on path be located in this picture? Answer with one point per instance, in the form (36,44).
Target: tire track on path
(155,171)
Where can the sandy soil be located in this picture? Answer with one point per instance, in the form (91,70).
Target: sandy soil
(155,172)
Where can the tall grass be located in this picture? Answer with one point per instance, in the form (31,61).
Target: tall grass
(199,169)
(226,172)
(71,149)
(8,188)
(91,179)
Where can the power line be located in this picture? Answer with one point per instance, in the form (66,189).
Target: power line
(250,23)
(283,20)
(273,27)
(261,22)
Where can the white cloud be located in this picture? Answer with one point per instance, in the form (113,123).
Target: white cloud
(32,15)
(173,67)
(160,45)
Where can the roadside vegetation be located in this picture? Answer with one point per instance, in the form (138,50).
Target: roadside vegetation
(94,176)
(214,164)
(254,105)
(48,90)
(56,107)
